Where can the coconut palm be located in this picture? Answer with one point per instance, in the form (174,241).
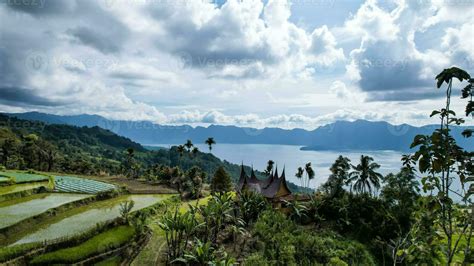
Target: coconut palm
(309,173)
(299,174)
(210,141)
(364,178)
(180,150)
(189,144)
(195,151)
(269,168)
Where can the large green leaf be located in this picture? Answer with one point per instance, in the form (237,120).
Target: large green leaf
(448,74)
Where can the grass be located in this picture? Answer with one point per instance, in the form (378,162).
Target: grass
(459,256)
(113,261)
(7,253)
(98,244)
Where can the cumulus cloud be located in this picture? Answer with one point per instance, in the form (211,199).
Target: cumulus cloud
(242,39)
(199,62)
(289,121)
(388,64)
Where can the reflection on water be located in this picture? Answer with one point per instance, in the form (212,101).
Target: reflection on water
(83,218)
(21,187)
(13,211)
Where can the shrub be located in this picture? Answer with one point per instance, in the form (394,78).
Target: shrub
(285,243)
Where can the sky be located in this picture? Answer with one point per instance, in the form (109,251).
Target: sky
(258,63)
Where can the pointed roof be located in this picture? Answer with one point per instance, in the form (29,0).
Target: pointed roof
(268,187)
(272,190)
(243,178)
(253,177)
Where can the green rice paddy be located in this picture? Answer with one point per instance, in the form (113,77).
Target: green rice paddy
(23,177)
(107,240)
(81,219)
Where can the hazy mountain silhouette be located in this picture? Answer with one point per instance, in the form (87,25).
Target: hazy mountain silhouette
(341,135)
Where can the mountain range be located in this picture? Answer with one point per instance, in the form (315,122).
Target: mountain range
(340,135)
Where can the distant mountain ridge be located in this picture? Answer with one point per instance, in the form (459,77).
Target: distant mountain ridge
(341,135)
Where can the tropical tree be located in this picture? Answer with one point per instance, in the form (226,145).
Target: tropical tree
(216,214)
(299,174)
(309,173)
(250,206)
(179,228)
(269,168)
(195,151)
(125,210)
(180,149)
(132,168)
(221,181)
(210,141)
(189,144)
(334,186)
(196,177)
(365,177)
(441,160)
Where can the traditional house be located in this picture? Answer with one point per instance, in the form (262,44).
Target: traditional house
(274,187)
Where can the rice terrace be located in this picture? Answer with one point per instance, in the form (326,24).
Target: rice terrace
(51,214)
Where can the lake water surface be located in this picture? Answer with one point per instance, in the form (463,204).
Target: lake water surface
(291,157)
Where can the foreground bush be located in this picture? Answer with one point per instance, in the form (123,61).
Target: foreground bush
(282,242)
(98,244)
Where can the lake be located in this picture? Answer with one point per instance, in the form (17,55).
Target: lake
(291,157)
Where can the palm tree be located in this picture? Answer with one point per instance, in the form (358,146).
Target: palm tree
(269,169)
(309,173)
(364,176)
(299,175)
(189,144)
(194,151)
(180,150)
(210,141)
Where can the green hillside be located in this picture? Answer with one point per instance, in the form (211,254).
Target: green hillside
(93,151)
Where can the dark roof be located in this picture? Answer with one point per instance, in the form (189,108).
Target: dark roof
(268,187)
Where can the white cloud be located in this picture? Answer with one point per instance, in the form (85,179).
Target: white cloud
(244,62)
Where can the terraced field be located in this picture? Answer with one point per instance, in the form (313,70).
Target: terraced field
(23,177)
(13,211)
(21,187)
(19,238)
(83,218)
(71,184)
